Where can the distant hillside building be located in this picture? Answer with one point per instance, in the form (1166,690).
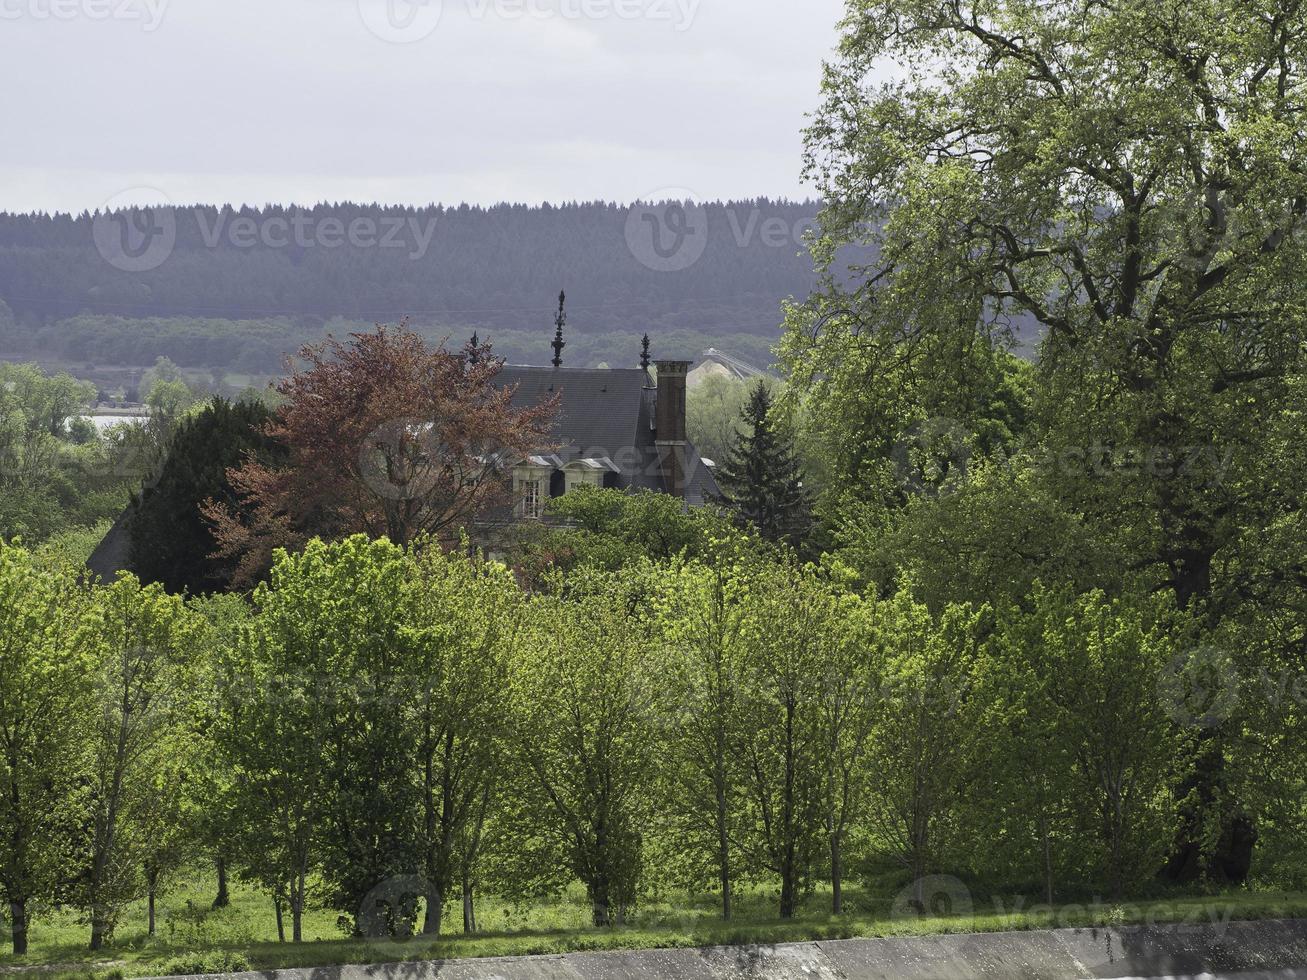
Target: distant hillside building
(615,428)
(714,363)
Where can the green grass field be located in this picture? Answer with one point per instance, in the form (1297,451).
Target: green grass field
(193,938)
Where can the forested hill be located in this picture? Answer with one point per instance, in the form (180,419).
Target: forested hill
(497,267)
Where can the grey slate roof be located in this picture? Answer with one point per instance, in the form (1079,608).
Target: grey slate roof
(601,410)
(606,413)
(113,554)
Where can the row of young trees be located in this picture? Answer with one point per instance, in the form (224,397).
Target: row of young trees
(384,731)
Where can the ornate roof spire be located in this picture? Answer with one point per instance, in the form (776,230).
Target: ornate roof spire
(559,343)
(644,352)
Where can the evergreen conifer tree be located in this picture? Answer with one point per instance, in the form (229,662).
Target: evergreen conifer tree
(762,479)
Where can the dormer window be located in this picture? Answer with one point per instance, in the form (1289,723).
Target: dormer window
(532,499)
(531,486)
(589,471)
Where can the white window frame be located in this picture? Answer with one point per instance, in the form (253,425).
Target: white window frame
(531,508)
(538,478)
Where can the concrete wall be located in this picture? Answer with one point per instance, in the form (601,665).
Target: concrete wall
(1252,950)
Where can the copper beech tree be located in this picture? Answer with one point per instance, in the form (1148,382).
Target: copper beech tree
(385,436)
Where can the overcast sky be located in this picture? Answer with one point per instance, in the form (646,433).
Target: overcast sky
(410,101)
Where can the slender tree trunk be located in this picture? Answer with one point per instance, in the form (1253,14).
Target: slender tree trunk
(107,833)
(150,911)
(469,911)
(223,898)
(788,858)
(1048,858)
(788,898)
(724,873)
(723,833)
(297,907)
(18,925)
(836,873)
(281,922)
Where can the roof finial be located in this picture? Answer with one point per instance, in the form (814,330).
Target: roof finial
(559,344)
(644,352)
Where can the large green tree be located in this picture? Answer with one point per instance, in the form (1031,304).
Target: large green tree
(46,712)
(143,644)
(583,695)
(1125,182)
(460,625)
(703,621)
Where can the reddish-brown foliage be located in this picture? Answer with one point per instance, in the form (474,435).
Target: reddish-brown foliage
(384,436)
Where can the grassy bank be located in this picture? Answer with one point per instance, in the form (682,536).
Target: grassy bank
(191,937)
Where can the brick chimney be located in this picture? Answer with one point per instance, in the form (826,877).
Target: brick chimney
(669,424)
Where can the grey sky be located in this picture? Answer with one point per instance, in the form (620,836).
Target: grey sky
(251,101)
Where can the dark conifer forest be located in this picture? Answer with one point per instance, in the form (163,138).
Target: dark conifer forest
(240,287)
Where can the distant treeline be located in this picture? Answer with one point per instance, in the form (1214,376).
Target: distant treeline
(471,267)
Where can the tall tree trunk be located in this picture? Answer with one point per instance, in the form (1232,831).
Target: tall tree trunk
(599,901)
(18,925)
(723,834)
(150,910)
(789,872)
(435,911)
(99,928)
(106,834)
(469,911)
(1048,858)
(281,921)
(223,898)
(297,907)
(836,873)
(788,889)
